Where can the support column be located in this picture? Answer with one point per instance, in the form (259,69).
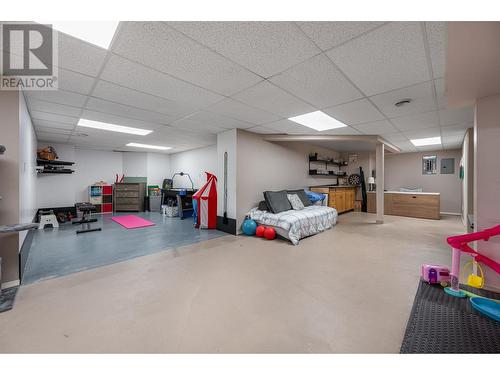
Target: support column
(487,180)
(379,160)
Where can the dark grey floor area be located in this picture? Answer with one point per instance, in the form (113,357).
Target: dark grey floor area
(59,252)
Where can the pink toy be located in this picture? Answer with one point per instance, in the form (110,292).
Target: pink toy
(436,274)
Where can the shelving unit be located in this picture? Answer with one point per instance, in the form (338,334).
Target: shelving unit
(318,172)
(101,196)
(54,166)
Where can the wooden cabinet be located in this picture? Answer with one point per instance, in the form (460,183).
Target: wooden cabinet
(129,196)
(340,198)
(425,206)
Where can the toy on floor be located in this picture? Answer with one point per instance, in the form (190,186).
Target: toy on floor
(459,244)
(249,227)
(269,233)
(259,232)
(436,274)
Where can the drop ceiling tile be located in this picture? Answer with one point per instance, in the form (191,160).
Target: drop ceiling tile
(457,138)
(430,148)
(355,112)
(347,130)
(417,121)
(58,96)
(262,130)
(318,82)
(242,112)
(100,105)
(139,77)
(436,35)
(165,49)
(441,94)
(456,130)
(290,127)
(50,137)
(405,146)
(79,56)
(266,48)
(395,137)
(376,128)
(387,58)
(271,98)
(187,123)
(330,34)
(423,133)
(39,123)
(421,95)
(456,116)
(75,82)
(214,119)
(60,109)
(52,130)
(38,115)
(452,145)
(122,95)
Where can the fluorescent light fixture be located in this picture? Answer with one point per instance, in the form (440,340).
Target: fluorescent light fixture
(153,147)
(426,141)
(317,120)
(112,127)
(99,33)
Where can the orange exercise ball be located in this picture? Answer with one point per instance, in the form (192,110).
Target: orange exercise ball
(259,232)
(270,234)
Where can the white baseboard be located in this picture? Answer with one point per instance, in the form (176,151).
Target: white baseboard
(10,284)
(451,213)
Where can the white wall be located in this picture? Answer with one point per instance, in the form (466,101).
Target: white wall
(135,164)
(27,171)
(405,170)
(158,168)
(263,165)
(196,163)
(93,166)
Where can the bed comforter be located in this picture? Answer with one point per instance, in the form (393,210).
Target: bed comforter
(298,224)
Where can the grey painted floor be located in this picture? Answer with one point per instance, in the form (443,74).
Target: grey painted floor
(59,252)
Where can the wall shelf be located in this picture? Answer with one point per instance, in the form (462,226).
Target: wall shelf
(313,160)
(54,166)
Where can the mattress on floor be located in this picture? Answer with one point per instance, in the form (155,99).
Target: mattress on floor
(298,224)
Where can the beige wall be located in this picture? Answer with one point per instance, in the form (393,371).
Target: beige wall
(9,182)
(487,179)
(405,170)
(263,165)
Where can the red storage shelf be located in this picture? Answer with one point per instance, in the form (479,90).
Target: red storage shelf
(107,190)
(107,207)
(102,197)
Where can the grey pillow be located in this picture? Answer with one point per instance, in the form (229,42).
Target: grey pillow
(302,195)
(263,206)
(277,201)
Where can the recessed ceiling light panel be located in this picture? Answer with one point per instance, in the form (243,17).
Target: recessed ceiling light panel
(99,33)
(318,121)
(153,147)
(426,141)
(112,127)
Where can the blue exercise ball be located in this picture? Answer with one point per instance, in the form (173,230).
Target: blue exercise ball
(248,227)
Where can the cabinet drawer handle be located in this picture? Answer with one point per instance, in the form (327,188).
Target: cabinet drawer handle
(414,196)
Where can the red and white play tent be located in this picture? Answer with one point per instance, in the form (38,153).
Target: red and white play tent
(206,199)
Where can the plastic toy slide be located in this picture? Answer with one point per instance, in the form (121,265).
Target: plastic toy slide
(487,307)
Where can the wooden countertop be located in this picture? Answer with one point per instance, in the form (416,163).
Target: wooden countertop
(406,192)
(334,186)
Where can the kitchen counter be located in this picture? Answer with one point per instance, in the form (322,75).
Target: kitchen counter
(334,186)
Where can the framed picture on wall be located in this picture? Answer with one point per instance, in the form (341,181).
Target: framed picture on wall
(429,164)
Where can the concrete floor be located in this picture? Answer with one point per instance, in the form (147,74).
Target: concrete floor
(59,252)
(347,290)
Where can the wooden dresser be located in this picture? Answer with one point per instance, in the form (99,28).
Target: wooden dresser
(420,205)
(340,198)
(129,196)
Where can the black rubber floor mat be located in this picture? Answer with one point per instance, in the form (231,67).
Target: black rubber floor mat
(440,323)
(7,298)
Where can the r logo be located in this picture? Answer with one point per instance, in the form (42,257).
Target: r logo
(28,50)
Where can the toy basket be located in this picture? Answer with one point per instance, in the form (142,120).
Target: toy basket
(170,211)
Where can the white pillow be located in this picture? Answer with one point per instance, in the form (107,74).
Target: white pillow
(295,201)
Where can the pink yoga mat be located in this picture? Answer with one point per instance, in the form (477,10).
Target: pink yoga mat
(132,221)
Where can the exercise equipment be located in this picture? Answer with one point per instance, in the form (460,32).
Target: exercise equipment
(47,218)
(249,227)
(259,231)
(269,233)
(86,209)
